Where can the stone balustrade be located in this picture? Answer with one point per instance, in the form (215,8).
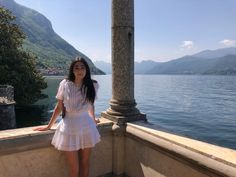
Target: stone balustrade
(28,153)
(146,153)
(154,153)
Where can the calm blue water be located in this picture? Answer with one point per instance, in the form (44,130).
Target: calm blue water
(199,107)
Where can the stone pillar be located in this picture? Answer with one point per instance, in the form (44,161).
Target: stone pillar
(7,107)
(122,104)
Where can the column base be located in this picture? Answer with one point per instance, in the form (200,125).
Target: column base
(121,118)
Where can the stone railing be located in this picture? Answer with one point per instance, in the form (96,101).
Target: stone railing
(154,153)
(139,151)
(27,153)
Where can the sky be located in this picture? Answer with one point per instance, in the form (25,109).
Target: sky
(164,29)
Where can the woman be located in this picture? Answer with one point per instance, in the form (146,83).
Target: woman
(77,133)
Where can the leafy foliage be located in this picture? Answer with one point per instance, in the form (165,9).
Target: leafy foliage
(17,67)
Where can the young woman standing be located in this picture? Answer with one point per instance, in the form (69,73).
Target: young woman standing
(76,133)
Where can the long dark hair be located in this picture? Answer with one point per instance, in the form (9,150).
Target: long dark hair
(87,86)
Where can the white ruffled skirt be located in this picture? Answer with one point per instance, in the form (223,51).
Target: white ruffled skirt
(76,131)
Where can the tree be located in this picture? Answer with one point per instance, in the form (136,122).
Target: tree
(17,67)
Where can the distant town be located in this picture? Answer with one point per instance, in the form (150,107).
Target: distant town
(52,72)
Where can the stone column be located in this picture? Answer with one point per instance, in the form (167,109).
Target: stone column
(122,104)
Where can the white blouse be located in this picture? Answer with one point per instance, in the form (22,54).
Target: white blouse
(72,97)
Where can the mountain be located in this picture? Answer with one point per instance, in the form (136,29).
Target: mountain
(223,62)
(197,65)
(224,65)
(51,50)
(104,66)
(139,67)
(216,53)
(144,66)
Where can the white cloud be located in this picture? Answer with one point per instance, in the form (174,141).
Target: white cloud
(187,45)
(228,42)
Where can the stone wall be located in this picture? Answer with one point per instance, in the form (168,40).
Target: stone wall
(146,153)
(154,153)
(28,153)
(7,108)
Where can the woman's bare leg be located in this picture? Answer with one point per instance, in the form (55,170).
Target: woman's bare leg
(84,155)
(73,163)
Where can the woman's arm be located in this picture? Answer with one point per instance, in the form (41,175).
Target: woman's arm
(91,112)
(56,113)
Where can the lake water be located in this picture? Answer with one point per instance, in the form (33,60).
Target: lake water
(200,107)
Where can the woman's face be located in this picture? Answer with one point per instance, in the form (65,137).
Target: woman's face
(79,70)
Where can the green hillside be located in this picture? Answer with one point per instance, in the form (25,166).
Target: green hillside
(53,53)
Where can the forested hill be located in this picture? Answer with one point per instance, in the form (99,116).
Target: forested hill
(53,53)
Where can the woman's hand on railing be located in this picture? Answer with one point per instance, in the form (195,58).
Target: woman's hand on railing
(96,120)
(45,128)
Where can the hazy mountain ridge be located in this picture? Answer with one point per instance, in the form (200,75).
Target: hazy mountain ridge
(224,65)
(139,67)
(196,65)
(144,66)
(191,64)
(104,66)
(216,53)
(52,51)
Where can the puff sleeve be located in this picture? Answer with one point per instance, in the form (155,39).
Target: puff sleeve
(60,91)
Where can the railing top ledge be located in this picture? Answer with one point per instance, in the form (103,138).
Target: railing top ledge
(173,142)
(24,139)
(28,131)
